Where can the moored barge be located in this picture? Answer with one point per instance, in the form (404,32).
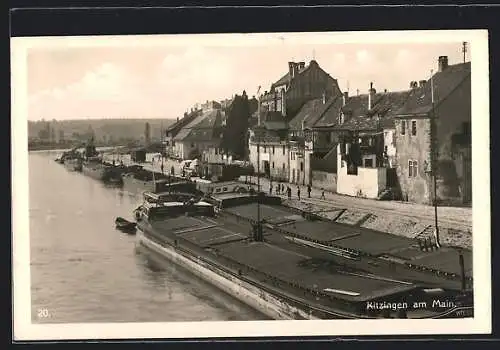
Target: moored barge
(293,267)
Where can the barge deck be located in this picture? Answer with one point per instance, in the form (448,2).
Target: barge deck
(324,265)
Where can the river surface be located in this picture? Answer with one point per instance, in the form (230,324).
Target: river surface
(84,270)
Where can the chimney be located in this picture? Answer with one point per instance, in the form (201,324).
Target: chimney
(421,83)
(292,68)
(442,63)
(302,65)
(385,91)
(370,96)
(413,84)
(345,97)
(357,92)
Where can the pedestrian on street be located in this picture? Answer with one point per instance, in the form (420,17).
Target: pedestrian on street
(270,188)
(298,192)
(161,167)
(308,191)
(322,193)
(283,188)
(278,189)
(289,192)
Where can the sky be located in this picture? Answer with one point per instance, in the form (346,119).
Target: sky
(165,79)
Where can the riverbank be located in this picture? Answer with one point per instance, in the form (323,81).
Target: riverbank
(397,218)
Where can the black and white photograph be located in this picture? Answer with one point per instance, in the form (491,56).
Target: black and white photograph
(223,185)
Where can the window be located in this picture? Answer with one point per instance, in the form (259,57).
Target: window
(368,163)
(403,127)
(273,165)
(283,150)
(414,127)
(283,166)
(273,149)
(192,145)
(265,150)
(301,166)
(412,168)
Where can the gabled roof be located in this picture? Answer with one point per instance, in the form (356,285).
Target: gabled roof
(330,116)
(420,100)
(382,113)
(285,79)
(310,112)
(201,128)
(183,121)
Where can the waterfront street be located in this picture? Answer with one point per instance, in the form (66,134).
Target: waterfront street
(448,216)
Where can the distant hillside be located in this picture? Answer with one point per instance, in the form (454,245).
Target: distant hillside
(104,130)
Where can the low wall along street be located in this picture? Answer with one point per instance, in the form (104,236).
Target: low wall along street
(367,183)
(325,180)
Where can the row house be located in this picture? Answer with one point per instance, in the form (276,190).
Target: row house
(300,136)
(268,148)
(433,137)
(283,113)
(202,131)
(366,147)
(300,84)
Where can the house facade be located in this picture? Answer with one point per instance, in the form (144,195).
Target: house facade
(366,129)
(286,111)
(202,133)
(269,152)
(433,136)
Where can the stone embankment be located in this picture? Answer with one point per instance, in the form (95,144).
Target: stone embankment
(397,224)
(398,218)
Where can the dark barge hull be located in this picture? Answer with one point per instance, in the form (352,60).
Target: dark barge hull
(136,185)
(102,172)
(73,164)
(263,288)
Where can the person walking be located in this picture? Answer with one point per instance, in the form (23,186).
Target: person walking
(270,188)
(278,189)
(289,192)
(283,188)
(322,193)
(298,192)
(308,191)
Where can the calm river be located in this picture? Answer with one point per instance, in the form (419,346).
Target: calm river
(83,270)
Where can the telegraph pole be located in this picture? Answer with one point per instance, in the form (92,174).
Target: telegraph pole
(464,49)
(434,162)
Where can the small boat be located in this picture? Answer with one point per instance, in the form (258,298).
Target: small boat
(125,225)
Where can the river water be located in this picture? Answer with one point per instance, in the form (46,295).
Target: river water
(84,270)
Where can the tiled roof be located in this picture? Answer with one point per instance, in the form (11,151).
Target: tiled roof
(382,114)
(420,100)
(183,121)
(275,125)
(201,128)
(310,112)
(330,117)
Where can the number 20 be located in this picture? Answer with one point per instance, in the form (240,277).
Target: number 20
(43,313)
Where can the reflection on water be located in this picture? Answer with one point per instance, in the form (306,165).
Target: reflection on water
(83,270)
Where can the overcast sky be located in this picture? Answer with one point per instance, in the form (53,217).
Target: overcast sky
(164,80)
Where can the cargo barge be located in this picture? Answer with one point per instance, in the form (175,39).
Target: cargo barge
(288,266)
(73,164)
(137,180)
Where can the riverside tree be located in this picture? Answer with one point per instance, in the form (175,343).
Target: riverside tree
(234,135)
